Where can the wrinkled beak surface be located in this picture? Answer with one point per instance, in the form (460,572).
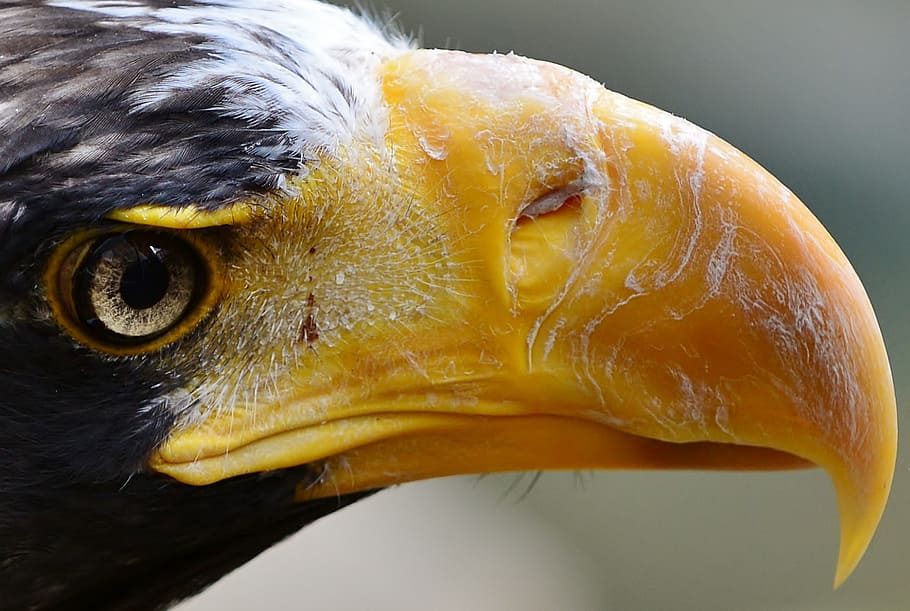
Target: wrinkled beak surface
(622,290)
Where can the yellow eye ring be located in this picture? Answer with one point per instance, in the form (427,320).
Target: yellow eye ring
(128,290)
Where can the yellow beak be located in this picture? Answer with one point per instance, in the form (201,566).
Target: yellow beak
(589,283)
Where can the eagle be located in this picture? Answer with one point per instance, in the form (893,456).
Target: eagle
(260,260)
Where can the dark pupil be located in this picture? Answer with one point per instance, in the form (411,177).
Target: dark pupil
(145,281)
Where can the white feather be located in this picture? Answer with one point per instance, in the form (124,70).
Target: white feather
(312,64)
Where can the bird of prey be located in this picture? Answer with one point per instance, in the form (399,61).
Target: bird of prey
(258,260)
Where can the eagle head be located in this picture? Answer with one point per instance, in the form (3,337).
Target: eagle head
(260,259)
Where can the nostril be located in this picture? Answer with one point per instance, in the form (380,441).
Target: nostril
(551,201)
(546,243)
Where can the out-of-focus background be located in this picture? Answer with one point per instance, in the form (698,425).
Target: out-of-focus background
(817,91)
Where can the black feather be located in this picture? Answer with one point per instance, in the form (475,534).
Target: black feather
(73,136)
(83,523)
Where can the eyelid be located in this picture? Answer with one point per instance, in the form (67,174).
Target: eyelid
(187,217)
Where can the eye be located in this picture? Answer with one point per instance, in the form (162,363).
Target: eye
(135,286)
(132,290)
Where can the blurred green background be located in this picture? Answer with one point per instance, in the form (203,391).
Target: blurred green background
(817,91)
